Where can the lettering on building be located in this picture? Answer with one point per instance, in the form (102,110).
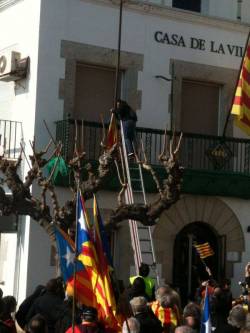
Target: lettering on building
(198,44)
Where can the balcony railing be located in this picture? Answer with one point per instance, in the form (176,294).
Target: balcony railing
(11,135)
(198,152)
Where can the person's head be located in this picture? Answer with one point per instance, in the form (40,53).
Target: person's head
(237,317)
(144,270)
(37,324)
(9,304)
(138,286)
(226,284)
(90,314)
(121,103)
(162,290)
(192,315)
(166,301)
(131,325)
(55,286)
(184,329)
(138,304)
(217,291)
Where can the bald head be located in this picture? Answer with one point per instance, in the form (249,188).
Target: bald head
(162,290)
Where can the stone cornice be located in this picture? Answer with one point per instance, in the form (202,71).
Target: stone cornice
(178,15)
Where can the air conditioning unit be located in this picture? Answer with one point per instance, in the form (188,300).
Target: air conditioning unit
(12,67)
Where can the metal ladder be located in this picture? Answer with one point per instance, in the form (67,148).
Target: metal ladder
(141,236)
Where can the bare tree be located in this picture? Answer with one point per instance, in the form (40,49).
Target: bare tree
(21,201)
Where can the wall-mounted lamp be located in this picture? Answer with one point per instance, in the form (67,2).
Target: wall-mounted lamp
(163,78)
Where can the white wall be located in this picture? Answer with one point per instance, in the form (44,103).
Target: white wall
(96,24)
(223,8)
(19,26)
(8,243)
(241,209)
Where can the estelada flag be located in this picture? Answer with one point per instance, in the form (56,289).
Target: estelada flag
(112,135)
(96,267)
(241,103)
(204,250)
(80,282)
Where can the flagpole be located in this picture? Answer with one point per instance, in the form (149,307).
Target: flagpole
(236,85)
(116,93)
(75,262)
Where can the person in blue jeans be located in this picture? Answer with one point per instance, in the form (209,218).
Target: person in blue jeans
(128,118)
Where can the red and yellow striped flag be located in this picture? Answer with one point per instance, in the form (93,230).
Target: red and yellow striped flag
(112,136)
(96,267)
(204,250)
(241,103)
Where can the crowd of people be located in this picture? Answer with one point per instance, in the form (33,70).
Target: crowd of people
(145,309)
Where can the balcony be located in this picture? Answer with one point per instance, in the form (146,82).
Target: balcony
(213,165)
(11,135)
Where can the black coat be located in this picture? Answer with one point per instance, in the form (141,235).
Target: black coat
(26,305)
(50,306)
(227,328)
(149,323)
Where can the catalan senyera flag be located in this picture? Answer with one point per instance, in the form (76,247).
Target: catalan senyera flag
(167,316)
(96,267)
(241,103)
(66,254)
(204,250)
(112,135)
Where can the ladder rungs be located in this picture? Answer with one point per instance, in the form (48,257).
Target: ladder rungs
(135,179)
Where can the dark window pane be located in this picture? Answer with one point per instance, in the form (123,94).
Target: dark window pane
(194,5)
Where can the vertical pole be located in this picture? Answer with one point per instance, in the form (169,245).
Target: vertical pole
(117,74)
(190,252)
(172,120)
(75,262)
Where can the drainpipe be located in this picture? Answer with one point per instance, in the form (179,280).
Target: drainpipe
(162,77)
(239,9)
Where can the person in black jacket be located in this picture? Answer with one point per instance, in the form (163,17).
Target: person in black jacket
(26,305)
(49,305)
(148,321)
(128,118)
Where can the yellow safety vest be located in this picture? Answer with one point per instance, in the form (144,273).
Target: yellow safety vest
(149,284)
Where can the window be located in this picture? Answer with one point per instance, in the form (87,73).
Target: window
(94,92)
(193,5)
(200,107)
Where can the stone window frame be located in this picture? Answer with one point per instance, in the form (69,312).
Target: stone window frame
(224,77)
(74,53)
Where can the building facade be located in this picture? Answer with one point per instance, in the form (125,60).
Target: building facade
(179,66)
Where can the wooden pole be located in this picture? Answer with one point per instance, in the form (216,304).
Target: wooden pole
(236,84)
